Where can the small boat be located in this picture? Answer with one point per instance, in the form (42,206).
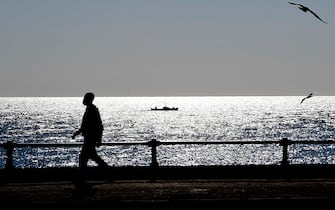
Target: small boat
(165,108)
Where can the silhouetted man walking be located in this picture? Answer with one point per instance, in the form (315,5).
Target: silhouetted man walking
(91,128)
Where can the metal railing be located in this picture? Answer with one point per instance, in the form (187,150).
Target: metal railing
(153,144)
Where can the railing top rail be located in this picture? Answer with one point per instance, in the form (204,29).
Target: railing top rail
(312,141)
(74,144)
(77,144)
(217,142)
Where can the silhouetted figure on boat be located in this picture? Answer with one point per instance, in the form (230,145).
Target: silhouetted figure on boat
(92,129)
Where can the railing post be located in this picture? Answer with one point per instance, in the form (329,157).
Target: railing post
(9,146)
(153,144)
(284,143)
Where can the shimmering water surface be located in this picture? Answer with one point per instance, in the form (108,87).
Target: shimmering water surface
(129,119)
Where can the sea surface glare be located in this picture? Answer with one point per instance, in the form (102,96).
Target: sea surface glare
(130,119)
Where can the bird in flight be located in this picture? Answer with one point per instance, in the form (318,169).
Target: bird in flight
(306,9)
(309,96)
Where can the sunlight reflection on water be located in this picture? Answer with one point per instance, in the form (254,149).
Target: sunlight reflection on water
(53,120)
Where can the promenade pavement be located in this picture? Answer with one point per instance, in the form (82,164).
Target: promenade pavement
(144,193)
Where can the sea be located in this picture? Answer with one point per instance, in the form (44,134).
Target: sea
(53,120)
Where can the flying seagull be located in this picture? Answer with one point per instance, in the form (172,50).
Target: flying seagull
(309,96)
(306,9)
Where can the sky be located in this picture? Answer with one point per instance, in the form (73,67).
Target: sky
(65,48)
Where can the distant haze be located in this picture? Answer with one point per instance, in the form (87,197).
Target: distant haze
(166,48)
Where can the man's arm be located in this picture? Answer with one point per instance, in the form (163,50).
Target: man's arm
(76,133)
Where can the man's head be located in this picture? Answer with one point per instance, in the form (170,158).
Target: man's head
(88,98)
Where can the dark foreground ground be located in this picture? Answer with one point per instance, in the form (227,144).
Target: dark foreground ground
(164,193)
(198,193)
(256,186)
